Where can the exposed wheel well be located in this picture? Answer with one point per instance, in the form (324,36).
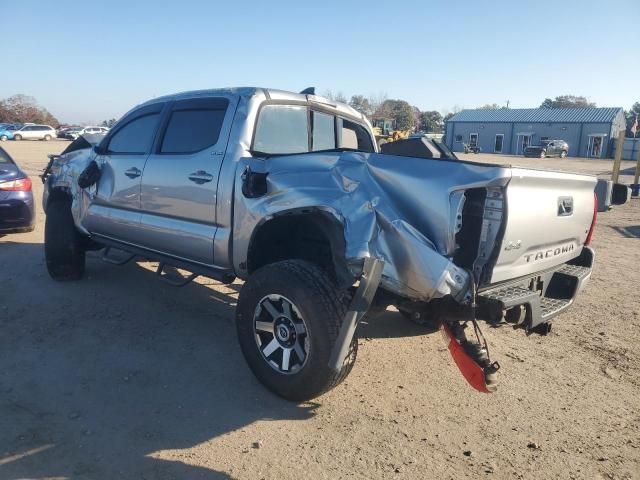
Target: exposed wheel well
(311,235)
(57,195)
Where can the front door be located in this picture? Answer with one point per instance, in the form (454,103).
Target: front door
(499,142)
(180,178)
(115,210)
(473,140)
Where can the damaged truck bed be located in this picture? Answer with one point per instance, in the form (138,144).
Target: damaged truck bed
(288,192)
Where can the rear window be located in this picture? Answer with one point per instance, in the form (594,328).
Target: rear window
(355,136)
(282,129)
(190,131)
(323,136)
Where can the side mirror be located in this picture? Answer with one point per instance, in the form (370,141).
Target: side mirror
(99,150)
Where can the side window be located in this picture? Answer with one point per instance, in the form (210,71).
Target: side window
(282,129)
(323,131)
(136,136)
(191,130)
(355,136)
(459,138)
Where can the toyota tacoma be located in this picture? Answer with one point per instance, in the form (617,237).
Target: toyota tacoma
(288,192)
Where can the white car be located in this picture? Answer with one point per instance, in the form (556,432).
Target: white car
(73,134)
(35,132)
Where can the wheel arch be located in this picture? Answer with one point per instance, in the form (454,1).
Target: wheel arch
(58,194)
(313,234)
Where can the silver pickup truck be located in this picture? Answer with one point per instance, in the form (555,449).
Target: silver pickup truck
(289,193)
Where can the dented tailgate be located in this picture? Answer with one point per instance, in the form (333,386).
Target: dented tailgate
(548,218)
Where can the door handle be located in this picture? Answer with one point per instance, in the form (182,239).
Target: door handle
(133,172)
(200,177)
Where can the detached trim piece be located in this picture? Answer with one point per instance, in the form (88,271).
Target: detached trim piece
(371,275)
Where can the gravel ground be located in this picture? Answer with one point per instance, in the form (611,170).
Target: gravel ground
(122,376)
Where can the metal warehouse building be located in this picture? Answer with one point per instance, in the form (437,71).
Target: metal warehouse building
(590,132)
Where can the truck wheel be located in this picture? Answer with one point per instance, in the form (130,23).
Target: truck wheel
(288,318)
(62,244)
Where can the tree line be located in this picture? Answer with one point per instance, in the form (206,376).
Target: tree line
(25,109)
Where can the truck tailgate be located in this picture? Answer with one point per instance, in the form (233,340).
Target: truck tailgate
(548,218)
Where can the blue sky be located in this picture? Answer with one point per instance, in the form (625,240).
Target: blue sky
(87,61)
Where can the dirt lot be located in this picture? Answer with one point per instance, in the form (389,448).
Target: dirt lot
(122,376)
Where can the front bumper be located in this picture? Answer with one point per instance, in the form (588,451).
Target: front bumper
(543,295)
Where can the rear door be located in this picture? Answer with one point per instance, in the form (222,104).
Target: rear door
(115,210)
(180,179)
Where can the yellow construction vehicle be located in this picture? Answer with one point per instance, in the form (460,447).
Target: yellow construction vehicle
(384,130)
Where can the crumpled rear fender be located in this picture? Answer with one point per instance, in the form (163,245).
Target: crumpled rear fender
(399,209)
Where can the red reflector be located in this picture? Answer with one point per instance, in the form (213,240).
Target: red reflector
(20,185)
(593,221)
(471,371)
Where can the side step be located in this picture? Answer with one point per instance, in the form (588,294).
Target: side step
(195,270)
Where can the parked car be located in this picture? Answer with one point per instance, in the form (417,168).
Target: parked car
(7,131)
(16,198)
(74,133)
(34,132)
(548,148)
(289,193)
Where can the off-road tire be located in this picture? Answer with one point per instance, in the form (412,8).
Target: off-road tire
(17,138)
(63,250)
(322,306)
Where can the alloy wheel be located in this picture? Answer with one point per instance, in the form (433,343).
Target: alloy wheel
(281,334)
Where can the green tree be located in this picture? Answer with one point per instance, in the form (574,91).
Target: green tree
(361,104)
(402,113)
(431,121)
(447,117)
(567,101)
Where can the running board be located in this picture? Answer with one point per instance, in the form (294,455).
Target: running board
(196,270)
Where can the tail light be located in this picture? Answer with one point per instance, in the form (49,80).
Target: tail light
(19,185)
(593,221)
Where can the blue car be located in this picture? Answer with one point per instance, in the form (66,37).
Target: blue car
(17,213)
(7,131)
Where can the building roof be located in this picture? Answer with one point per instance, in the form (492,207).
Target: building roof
(539,115)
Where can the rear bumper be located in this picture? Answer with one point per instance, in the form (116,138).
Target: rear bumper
(17,215)
(543,295)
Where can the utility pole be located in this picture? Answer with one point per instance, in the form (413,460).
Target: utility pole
(507,103)
(618,158)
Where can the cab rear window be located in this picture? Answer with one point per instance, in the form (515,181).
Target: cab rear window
(288,129)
